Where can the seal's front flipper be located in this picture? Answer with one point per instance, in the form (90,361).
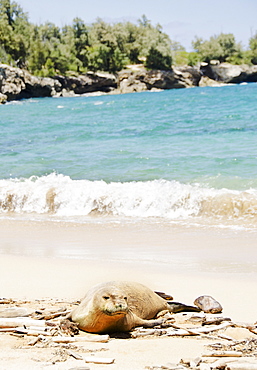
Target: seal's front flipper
(180,307)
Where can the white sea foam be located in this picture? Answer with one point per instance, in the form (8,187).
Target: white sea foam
(60,195)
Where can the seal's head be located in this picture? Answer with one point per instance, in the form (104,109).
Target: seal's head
(113,302)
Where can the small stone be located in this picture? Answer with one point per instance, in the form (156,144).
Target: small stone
(208,304)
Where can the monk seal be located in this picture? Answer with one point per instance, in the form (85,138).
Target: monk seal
(119,307)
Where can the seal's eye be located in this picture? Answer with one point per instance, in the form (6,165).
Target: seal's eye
(125,298)
(106,297)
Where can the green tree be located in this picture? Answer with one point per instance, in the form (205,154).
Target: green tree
(156,60)
(253,48)
(14,32)
(81,42)
(46,50)
(222,47)
(107,52)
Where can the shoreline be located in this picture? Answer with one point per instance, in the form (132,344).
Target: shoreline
(125,81)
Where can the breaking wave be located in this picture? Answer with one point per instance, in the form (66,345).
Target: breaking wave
(60,195)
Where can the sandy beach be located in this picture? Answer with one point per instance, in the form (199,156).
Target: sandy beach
(63,260)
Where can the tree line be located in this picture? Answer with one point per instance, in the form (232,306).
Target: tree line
(47,50)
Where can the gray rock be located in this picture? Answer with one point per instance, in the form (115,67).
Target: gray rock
(229,73)
(3,98)
(208,304)
(134,81)
(17,83)
(89,82)
(206,81)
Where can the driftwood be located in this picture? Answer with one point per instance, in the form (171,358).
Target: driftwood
(252,329)
(5,300)
(224,354)
(241,366)
(99,360)
(53,315)
(13,312)
(215,320)
(175,330)
(20,321)
(227,354)
(75,355)
(144,332)
(205,329)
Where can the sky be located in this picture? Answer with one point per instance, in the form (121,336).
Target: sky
(182,20)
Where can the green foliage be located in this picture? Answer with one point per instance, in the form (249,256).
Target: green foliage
(253,48)
(47,50)
(156,60)
(193,58)
(222,47)
(14,30)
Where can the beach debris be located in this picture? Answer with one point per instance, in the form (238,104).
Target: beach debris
(189,362)
(247,346)
(168,366)
(224,354)
(252,328)
(13,312)
(177,331)
(68,327)
(51,315)
(99,360)
(208,304)
(6,300)
(19,322)
(75,355)
(210,363)
(45,327)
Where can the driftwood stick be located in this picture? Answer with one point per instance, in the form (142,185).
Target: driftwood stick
(99,360)
(11,330)
(224,354)
(180,332)
(54,315)
(6,300)
(204,330)
(32,330)
(13,312)
(20,321)
(241,366)
(215,321)
(77,356)
(222,362)
(145,332)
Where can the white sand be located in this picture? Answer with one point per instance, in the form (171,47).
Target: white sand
(183,262)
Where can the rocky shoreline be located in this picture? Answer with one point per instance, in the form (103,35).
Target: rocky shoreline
(16,83)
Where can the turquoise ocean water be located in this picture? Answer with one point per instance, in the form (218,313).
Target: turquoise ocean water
(187,155)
